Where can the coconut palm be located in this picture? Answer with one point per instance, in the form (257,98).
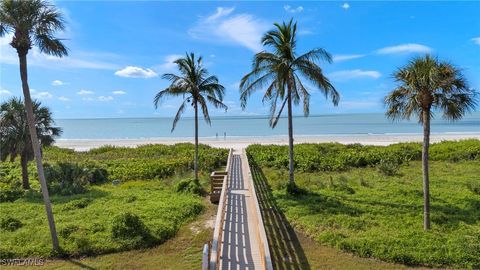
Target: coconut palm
(426,86)
(280,73)
(33,23)
(14,135)
(196,88)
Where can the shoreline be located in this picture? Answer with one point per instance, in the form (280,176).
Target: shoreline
(243,142)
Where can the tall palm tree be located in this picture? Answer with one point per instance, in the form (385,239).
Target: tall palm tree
(196,88)
(280,71)
(15,137)
(33,22)
(427,85)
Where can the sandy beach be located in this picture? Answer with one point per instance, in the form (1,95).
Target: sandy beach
(242,142)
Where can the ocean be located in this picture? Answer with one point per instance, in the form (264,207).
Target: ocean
(255,126)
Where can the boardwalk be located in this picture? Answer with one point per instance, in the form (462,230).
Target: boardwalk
(240,247)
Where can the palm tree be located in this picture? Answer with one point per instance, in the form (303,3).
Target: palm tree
(33,22)
(196,88)
(279,71)
(15,138)
(427,85)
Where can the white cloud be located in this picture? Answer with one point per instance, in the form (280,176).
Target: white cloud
(119,92)
(85,92)
(405,48)
(293,10)
(305,32)
(62,98)
(168,64)
(87,99)
(136,72)
(476,40)
(57,83)
(224,27)
(5,92)
(345,6)
(40,94)
(345,57)
(353,74)
(76,59)
(105,98)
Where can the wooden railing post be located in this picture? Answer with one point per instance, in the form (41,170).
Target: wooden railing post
(217,233)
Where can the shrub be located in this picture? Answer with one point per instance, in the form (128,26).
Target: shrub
(129,229)
(474,186)
(10,224)
(77,204)
(66,178)
(339,157)
(65,232)
(189,186)
(388,167)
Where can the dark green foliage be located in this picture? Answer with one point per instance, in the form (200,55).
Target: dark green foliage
(128,226)
(474,186)
(66,178)
(68,230)
(339,157)
(388,167)
(130,230)
(10,224)
(77,204)
(189,186)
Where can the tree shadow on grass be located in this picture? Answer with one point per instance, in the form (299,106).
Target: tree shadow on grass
(79,264)
(285,248)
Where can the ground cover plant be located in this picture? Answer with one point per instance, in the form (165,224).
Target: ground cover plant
(357,207)
(99,206)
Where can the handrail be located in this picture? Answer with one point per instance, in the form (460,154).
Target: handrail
(262,236)
(217,233)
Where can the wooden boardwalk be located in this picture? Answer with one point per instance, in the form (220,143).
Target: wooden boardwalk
(239,239)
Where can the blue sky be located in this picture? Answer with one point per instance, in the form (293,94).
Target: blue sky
(118,51)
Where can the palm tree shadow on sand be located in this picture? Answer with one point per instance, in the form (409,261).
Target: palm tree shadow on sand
(285,248)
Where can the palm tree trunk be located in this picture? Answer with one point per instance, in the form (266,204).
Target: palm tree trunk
(24,162)
(290,138)
(426,188)
(36,148)
(196,141)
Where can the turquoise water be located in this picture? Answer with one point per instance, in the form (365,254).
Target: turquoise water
(341,124)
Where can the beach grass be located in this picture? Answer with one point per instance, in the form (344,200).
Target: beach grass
(362,210)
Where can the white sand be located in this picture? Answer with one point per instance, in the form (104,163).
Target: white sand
(242,142)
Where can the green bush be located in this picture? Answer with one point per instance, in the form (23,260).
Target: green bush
(388,167)
(474,186)
(339,157)
(189,186)
(77,204)
(65,232)
(66,178)
(10,224)
(129,229)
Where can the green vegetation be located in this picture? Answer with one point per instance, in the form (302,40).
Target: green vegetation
(110,213)
(105,219)
(353,206)
(181,252)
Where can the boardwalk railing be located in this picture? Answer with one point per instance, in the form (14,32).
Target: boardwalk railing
(261,235)
(212,253)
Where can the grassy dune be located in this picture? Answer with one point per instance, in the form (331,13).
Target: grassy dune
(368,213)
